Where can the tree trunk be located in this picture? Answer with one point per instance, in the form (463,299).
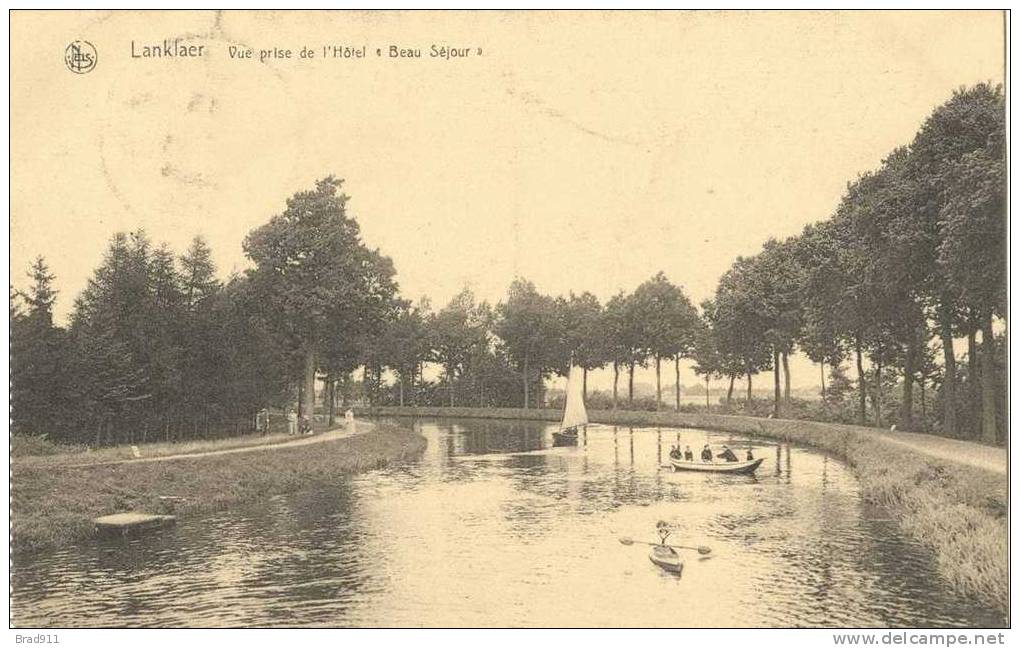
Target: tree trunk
(907,404)
(775,375)
(412,385)
(616,380)
(748,385)
(421,382)
(786,378)
(676,364)
(584,384)
(878,395)
(450,371)
(924,405)
(974,382)
(973,369)
(401,390)
(301,396)
(630,386)
(525,378)
(862,383)
(378,382)
(729,393)
(989,428)
(821,366)
(708,402)
(309,386)
(658,383)
(331,384)
(949,381)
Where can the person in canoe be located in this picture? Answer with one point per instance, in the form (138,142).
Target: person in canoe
(688,454)
(727,454)
(706,454)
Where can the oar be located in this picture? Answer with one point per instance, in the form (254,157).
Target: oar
(701,549)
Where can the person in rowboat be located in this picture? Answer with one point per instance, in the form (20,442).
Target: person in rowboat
(688,454)
(727,454)
(750,455)
(706,454)
(674,452)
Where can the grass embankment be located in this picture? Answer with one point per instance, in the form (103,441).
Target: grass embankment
(55,505)
(956,510)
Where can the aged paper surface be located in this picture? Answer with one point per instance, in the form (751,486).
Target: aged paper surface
(743,215)
(588,138)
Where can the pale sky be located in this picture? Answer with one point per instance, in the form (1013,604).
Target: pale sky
(584,151)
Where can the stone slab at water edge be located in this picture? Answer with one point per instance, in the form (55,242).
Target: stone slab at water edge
(132,523)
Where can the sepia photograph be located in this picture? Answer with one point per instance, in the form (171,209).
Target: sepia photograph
(510,319)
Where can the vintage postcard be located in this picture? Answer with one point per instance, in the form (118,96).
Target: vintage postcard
(509,319)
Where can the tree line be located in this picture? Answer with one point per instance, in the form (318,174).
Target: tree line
(913,258)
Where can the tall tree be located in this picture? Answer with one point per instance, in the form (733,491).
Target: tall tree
(406,344)
(528,325)
(774,286)
(972,226)
(111,330)
(38,358)
(708,362)
(455,332)
(616,342)
(956,130)
(311,264)
(198,273)
(715,352)
(665,323)
(582,326)
(739,320)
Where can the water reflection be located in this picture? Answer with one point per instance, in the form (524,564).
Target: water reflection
(495,527)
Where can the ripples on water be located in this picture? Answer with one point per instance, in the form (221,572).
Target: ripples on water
(494,528)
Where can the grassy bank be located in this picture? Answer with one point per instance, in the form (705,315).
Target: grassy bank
(55,505)
(956,510)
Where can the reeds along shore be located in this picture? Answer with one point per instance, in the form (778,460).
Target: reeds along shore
(957,511)
(54,506)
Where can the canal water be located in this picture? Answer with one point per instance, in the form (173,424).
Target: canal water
(494,527)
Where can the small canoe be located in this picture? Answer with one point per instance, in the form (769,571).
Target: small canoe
(735,467)
(666,558)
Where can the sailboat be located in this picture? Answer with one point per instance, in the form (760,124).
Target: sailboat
(574,414)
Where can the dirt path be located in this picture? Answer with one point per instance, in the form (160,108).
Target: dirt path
(360,427)
(953,450)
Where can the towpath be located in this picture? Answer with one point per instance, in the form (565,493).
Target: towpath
(953,450)
(360,427)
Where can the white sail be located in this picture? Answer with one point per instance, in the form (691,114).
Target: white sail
(574,413)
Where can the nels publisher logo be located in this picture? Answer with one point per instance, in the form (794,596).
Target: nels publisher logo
(80,57)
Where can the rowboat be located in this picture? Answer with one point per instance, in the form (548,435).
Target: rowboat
(565,437)
(734,467)
(666,558)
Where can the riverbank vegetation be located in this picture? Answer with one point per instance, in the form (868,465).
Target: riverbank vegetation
(877,294)
(53,506)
